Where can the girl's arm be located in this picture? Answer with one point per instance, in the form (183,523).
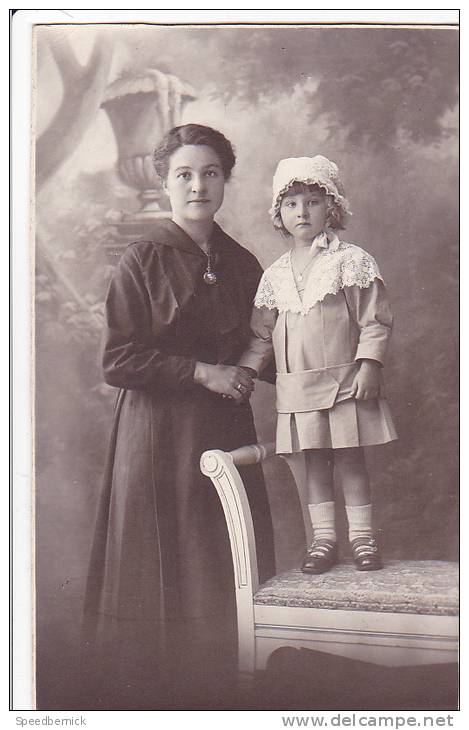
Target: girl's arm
(370,310)
(372,314)
(259,351)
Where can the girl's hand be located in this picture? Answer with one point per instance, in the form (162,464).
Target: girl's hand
(366,382)
(228,380)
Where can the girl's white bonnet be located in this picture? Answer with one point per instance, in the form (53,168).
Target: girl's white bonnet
(316,170)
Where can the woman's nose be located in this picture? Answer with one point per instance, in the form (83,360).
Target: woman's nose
(198,183)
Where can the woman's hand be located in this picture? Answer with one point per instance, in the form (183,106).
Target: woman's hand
(366,382)
(228,380)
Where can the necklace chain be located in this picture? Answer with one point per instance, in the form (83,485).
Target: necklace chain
(299,275)
(210,276)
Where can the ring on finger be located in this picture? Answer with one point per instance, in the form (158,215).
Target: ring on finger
(241,388)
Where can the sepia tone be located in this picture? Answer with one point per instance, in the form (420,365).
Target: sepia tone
(382,103)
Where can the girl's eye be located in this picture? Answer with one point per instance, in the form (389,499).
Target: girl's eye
(211,173)
(290,204)
(314,202)
(185,175)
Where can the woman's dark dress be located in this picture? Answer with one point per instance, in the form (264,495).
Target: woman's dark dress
(161,551)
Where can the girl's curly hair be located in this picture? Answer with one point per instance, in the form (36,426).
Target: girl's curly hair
(335,214)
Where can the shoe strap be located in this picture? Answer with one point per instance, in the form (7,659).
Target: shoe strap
(364,546)
(321,548)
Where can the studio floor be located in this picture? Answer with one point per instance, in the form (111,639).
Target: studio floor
(295,680)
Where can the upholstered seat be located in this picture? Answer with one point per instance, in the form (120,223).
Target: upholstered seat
(404,614)
(428,587)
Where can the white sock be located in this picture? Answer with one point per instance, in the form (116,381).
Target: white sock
(323,520)
(359,521)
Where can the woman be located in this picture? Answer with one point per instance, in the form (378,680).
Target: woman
(177,319)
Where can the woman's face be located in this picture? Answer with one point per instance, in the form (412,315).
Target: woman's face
(304,213)
(195,183)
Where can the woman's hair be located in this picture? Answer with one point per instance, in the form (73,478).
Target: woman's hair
(193,134)
(335,213)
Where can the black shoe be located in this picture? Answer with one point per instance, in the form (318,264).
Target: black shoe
(321,556)
(365,554)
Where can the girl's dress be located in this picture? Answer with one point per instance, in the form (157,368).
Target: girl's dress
(161,554)
(319,329)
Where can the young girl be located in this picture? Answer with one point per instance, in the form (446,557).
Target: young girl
(322,309)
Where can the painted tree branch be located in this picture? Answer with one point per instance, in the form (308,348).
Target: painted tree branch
(83,91)
(82,94)
(65,58)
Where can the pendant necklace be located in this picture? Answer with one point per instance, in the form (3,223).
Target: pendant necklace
(210,277)
(300,275)
(312,248)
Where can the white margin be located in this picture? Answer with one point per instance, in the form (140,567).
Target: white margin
(21,341)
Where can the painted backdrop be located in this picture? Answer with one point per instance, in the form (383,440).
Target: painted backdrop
(382,103)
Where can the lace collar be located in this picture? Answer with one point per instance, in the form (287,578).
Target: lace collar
(336,266)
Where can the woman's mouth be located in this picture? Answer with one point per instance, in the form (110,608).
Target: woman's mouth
(200,200)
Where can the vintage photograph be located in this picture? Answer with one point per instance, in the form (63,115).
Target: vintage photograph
(246,245)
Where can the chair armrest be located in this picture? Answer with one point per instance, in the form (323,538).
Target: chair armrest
(252,454)
(219,467)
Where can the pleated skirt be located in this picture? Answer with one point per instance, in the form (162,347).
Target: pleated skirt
(350,423)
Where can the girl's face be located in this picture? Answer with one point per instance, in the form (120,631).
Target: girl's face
(304,213)
(195,183)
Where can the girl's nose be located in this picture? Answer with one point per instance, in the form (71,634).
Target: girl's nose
(303,211)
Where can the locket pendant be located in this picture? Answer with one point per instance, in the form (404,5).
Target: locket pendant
(210,278)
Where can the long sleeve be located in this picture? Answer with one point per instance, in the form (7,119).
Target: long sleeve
(369,307)
(259,351)
(131,355)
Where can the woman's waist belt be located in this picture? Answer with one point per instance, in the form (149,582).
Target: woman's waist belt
(314,390)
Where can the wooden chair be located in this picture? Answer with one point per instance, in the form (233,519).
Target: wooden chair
(405,614)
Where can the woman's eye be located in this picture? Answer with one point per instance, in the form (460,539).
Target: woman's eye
(185,175)
(211,173)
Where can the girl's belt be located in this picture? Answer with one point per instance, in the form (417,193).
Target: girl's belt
(314,390)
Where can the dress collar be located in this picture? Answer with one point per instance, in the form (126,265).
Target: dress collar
(328,241)
(176,237)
